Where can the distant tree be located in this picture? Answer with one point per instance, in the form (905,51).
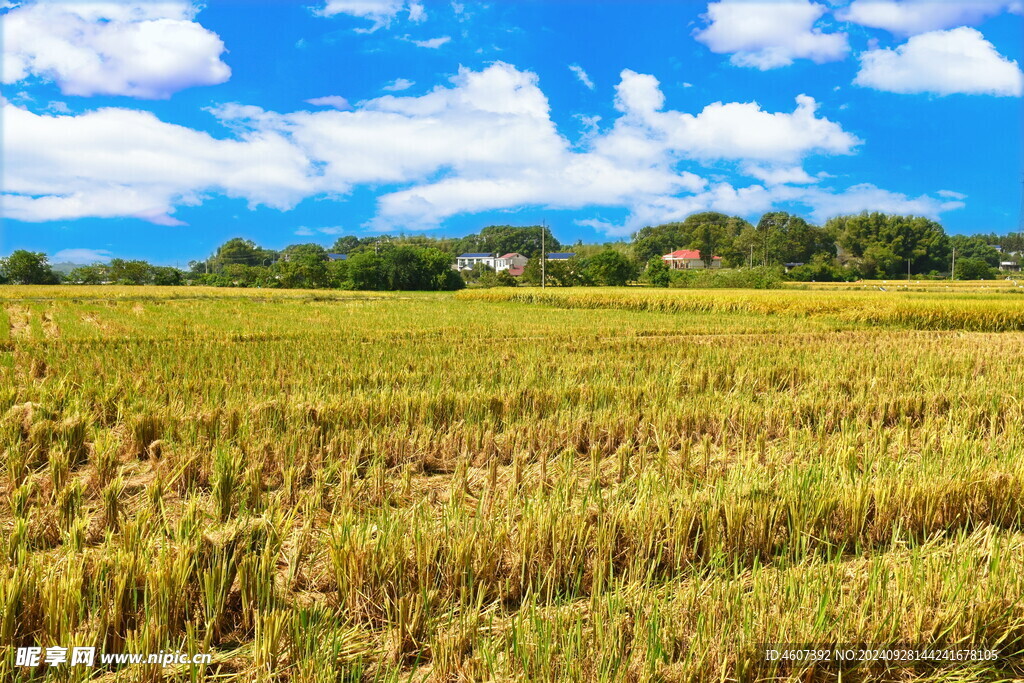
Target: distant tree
(87,275)
(303,265)
(28,268)
(708,239)
(657,272)
(124,272)
(505,239)
(879,244)
(970,268)
(781,238)
(662,239)
(365,271)
(239,251)
(478,272)
(975,247)
(166,276)
(345,245)
(609,268)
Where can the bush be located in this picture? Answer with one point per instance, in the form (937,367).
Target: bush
(762,277)
(973,269)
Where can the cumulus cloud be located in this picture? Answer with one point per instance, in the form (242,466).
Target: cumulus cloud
(123,162)
(380,12)
(733,130)
(582,76)
(766,34)
(485,141)
(85,256)
(336,101)
(944,63)
(909,17)
(399,84)
(144,49)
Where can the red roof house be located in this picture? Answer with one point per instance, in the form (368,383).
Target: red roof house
(688,259)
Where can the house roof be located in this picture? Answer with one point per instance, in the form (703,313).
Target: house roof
(687,254)
(511,255)
(476,255)
(338,257)
(516,271)
(558,256)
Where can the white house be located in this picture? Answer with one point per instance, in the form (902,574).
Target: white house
(498,263)
(688,259)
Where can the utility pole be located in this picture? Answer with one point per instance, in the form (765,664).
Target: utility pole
(908,271)
(543,256)
(952,268)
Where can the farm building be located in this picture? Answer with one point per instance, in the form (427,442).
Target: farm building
(498,263)
(688,259)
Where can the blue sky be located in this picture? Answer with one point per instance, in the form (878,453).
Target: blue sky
(158,130)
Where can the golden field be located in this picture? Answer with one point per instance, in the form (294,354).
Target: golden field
(511,484)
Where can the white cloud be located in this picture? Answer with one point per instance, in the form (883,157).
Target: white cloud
(399,84)
(85,256)
(920,16)
(380,12)
(767,34)
(734,130)
(123,162)
(582,75)
(143,49)
(336,101)
(867,197)
(432,43)
(779,175)
(485,141)
(950,194)
(943,63)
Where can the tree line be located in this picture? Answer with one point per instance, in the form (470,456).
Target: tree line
(862,246)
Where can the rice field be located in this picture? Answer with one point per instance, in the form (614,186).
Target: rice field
(511,484)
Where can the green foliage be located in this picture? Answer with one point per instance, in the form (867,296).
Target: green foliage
(402,268)
(657,273)
(239,251)
(781,238)
(761,277)
(28,268)
(710,228)
(507,239)
(880,245)
(608,268)
(971,268)
(822,269)
(976,247)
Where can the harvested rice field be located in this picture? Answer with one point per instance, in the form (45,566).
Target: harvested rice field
(512,484)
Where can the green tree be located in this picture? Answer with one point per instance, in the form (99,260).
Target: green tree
(662,239)
(88,275)
(166,276)
(657,272)
(976,247)
(303,265)
(28,268)
(239,251)
(881,245)
(609,268)
(365,271)
(123,272)
(781,237)
(971,268)
(708,239)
